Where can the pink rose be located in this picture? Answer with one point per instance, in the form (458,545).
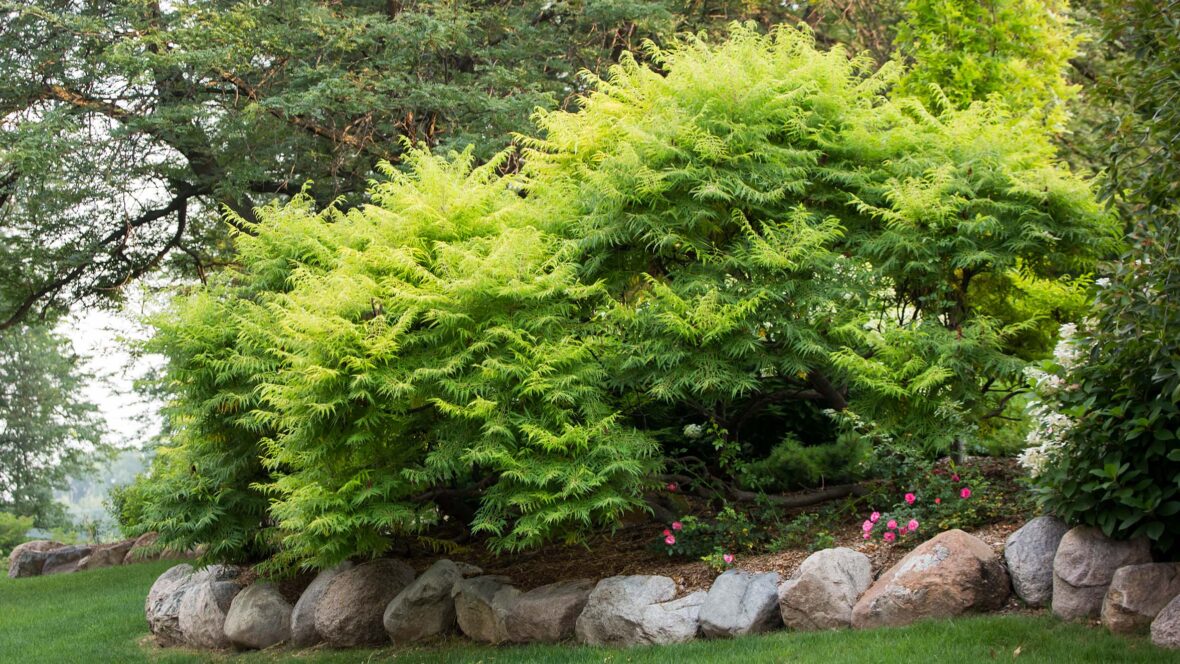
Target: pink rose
(955,477)
(874,517)
(728,558)
(673,487)
(910,498)
(889,537)
(913,524)
(676,525)
(938,501)
(667,532)
(965,493)
(902,530)
(670,540)
(867,535)
(866,526)
(892,525)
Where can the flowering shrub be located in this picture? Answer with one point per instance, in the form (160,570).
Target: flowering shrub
(1103,450)
(729,532)
(948,498)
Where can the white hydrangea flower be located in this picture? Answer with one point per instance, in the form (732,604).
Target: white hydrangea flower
(693,431)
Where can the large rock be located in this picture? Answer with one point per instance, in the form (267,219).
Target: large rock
(1165,629)
(1029,554)
(259,617)
(822,593)
(303,631)
(548,614)
(64,560)
(741,603)
(106,555)
(27,559)
(1085,563)
(162,606)
(1137,594)
(351,608)
(481,606)
(948,575)
(637,610)
(206,601)
(142,549)
(425,609)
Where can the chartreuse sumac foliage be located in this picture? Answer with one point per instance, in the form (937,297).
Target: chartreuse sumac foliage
(756,241)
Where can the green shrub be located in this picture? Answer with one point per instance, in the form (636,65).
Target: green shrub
(754,240)
(1107,420)
(12,530)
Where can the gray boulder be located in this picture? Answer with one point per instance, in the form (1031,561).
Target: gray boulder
(548,614)
(638,610)
(259,617)
(206,601)
(946,576)
(350,611)
(303,632)
(1137,594)
(822,593)
(481,606)
(106,555)
(1165,629)
(425,609)
(741,603)
(1083,567)
(1029,554)
(162,606)
(64,560)
(28,558)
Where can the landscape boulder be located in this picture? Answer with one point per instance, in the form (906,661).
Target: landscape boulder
(1084,566)
(28,558)
(1165,629)
(350,611)
(65,559)
(303,631)
(162,607)
(259,617)
(1029,554)
(141,549)
(638,610)
(949,575)
(822,593)
(548,614)
(1137,594)
(425,608)
(206,601)
(106,555)
(481,606)
(740,603)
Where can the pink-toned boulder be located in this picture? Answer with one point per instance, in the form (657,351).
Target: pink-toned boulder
(106,555)
(1137,594)
(949,575)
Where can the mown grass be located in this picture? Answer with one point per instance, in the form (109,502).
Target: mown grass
(96,617)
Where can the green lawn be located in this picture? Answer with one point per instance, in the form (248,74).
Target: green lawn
(96,617)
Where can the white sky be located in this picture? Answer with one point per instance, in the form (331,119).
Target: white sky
(101,338)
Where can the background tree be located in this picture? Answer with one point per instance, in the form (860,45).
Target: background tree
(47,432)
(967,50)
(128,127)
